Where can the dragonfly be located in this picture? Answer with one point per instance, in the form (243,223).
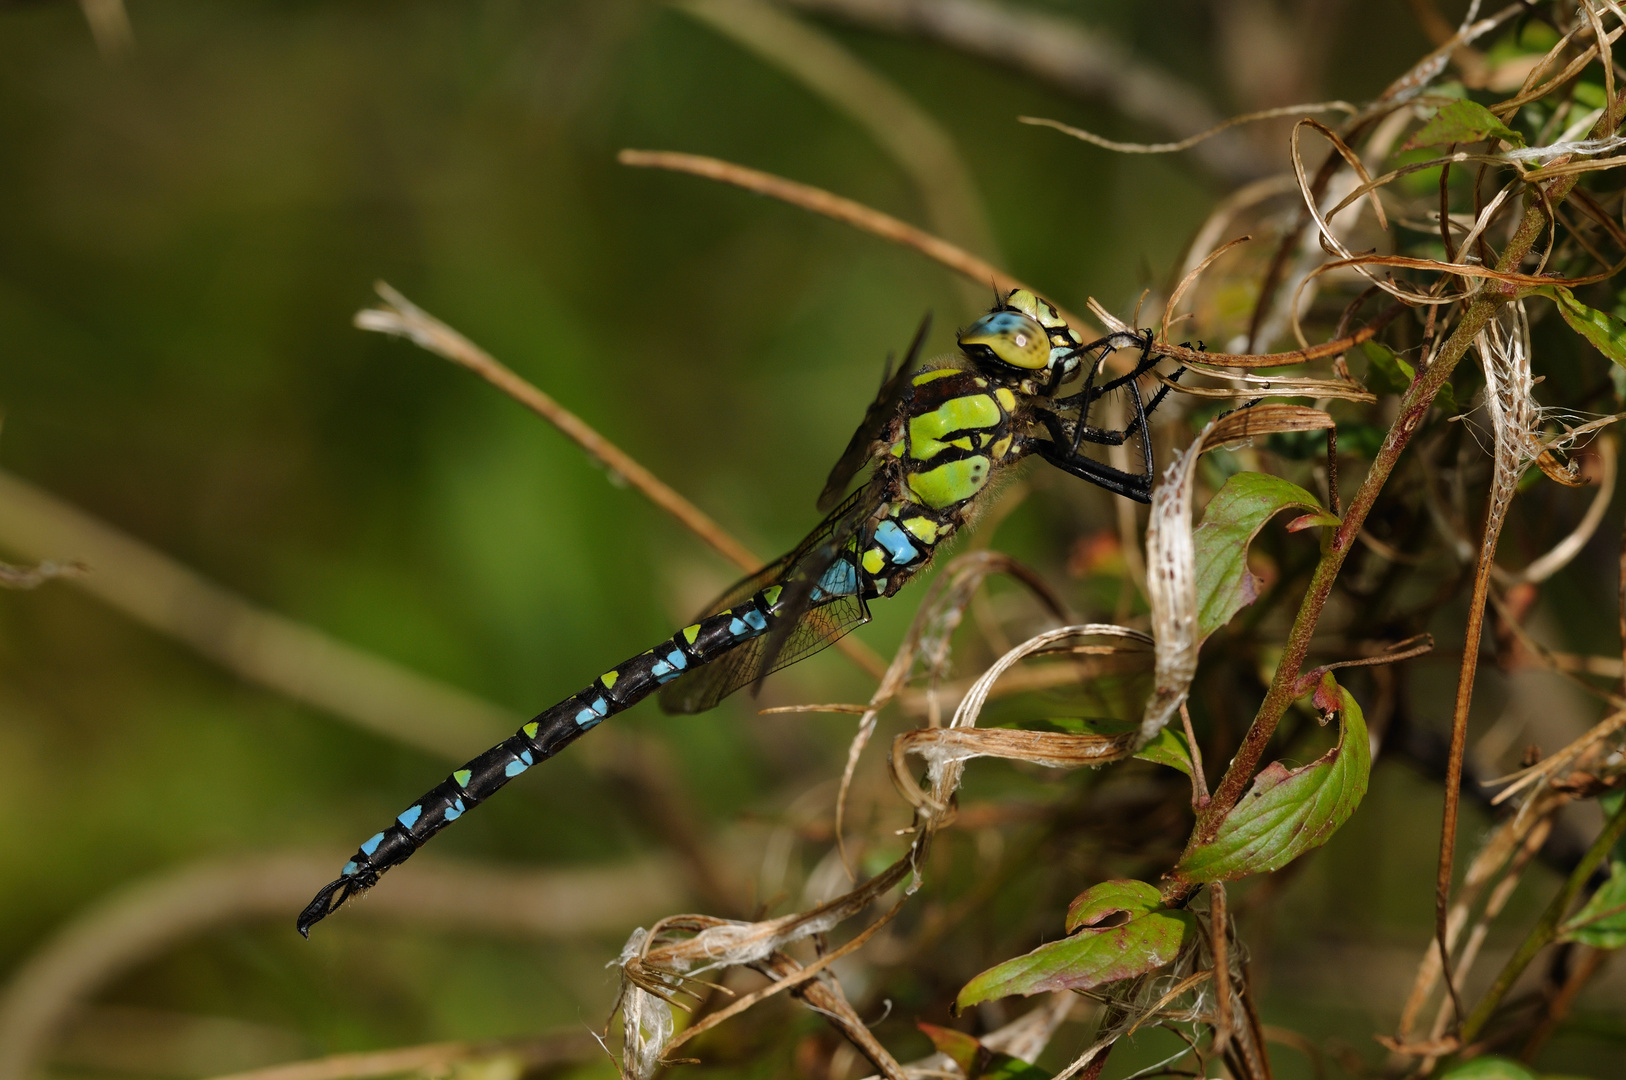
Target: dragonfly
(934,441)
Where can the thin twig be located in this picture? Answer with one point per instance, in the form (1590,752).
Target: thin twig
(402,318)
(834,206)
(1220,937)
(908,134)
(1062,51)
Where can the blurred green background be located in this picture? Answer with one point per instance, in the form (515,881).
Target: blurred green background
(186,230)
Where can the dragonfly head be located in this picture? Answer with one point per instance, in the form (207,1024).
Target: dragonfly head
(1024,339)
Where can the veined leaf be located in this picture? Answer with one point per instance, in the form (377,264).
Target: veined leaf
(1462,122)
(1168,747)
(1601,923)
(1148,938)
(1387,372)
(1232,519)
(1604,331)
(964,1050)
(976,1061)
(1287,812)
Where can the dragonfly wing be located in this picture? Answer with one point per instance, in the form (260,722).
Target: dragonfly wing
(856,456)
(808,619)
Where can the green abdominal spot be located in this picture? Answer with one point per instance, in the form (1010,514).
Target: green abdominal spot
(950,483)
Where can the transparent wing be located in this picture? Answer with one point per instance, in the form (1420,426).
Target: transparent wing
(809,618)
(856,456)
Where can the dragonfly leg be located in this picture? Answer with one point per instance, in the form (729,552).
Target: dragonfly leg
(1063,449)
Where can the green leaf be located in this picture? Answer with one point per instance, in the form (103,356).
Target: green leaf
(1462,122)
(1386,372)
(1232,519)
(1489,1068)
(1606,332)
(1589,94)
(1602,922)
(1169,748)
(1005,1067)
(1149,937)
(1287,812)
(966,1051)
(1389,373)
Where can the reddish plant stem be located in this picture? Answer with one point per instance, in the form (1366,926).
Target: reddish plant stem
(1453,768)
(1414,406)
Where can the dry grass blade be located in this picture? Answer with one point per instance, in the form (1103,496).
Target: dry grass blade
(824,996)
(1551,766)
(945,753)
(1189,280)
(537,1053)
(1268,418)
(1053,750)
(1190,356)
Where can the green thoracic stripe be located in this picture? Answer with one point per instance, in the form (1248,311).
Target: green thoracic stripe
(950,483)
(968,411)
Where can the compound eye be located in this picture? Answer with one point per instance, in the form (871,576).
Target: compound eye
(1011,337)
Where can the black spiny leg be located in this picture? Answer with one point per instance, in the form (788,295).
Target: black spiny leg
(1063,448)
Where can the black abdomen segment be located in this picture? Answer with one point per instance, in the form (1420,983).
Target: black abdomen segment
(550,732)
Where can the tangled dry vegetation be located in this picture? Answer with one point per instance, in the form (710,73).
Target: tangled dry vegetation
(1423,228)
(1470,212)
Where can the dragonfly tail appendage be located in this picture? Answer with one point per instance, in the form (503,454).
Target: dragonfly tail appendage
(615,691)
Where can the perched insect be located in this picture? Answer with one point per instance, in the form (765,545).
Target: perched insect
(935,439)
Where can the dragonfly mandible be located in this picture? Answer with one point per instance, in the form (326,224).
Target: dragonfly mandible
(934,440)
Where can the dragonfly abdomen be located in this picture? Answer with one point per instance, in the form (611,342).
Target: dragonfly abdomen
(551,731)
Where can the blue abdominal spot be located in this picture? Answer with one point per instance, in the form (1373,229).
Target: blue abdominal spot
(372,844)
(409,817)
(889,536)
(840,580)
